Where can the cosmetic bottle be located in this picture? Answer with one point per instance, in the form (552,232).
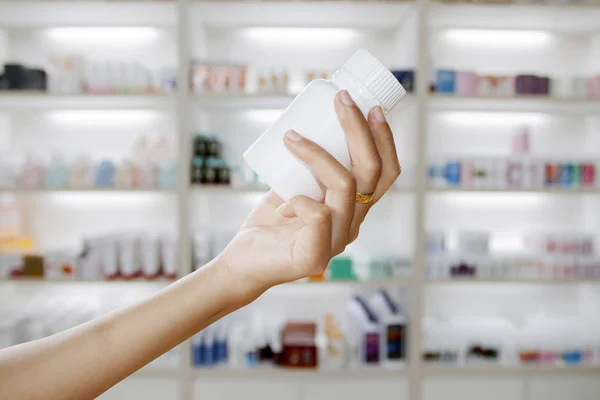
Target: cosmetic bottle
(150,255)
(124,175)
(312,114)
(365,327)
(57,173)
(81,173)
(108,257)
(394,329)
(168,256)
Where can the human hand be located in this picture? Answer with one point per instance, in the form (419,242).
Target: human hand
(285,241)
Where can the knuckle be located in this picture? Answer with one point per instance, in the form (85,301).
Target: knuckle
(373,168)
(348,182)
(323,214)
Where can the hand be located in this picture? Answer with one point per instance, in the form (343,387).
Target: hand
(281,242)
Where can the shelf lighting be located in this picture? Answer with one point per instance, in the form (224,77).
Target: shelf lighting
(480,118)
(102,117)
(300,36)
(487,201)
(492,37)
(110,35)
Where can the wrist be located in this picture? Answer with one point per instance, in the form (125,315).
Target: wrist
(242,289)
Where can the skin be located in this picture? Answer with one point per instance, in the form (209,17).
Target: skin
(279,242)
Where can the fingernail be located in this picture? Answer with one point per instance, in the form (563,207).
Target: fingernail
(293,136)
(378,114)
(346,99)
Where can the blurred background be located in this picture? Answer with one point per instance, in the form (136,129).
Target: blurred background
(122,128)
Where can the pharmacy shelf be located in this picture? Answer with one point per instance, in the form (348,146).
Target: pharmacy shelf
(540,104)
(566,191)
(21,191)
(156,372)
(243,101)
(271,373)
(403,282)
(253,101)
(549,282)
(25,100)
(517,370)
(44,281)
(224,189)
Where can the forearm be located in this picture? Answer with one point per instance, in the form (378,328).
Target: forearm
(85,361)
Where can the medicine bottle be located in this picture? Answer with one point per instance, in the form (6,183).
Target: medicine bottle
(312,115)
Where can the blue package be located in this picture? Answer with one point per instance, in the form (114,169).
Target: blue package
(406,79)
(452,173)
(572,357)
(567,175)
(446,81)
(104,175)
(202,354)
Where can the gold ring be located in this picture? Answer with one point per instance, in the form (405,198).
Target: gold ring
(362,198)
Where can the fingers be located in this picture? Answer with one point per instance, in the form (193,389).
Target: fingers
(366,162)
(386,147)
(340,185)
(316,234)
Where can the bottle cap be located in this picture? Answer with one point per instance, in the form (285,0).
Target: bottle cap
(376,78)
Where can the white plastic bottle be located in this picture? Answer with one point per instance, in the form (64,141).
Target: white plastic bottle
(312,115)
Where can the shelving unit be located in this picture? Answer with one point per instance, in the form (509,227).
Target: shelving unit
(402,34)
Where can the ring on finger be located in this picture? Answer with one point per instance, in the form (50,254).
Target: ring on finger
(364,198)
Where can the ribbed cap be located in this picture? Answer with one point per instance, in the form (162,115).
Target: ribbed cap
(376,78)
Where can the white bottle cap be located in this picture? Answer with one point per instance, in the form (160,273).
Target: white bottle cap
(376,78)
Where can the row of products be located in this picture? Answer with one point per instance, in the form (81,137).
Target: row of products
(374,335)
(152,164)
(468,266)
(512,173)
(74,75)
(126,256)
(538,243)
(537,256)
(365,268)
(207,165)
(468,83)
(540,340)
(229,77)
(210,168)
(30,173)
(50,311)
(207,245)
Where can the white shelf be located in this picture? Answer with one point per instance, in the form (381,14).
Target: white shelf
(366,283)
(225,189)
(498,370)
(156,372)
(322,14)
(542,104)
(548,282)
(24,101)
(44,281)
(41,191)
(244,101)
(272,373)
(568,191)
(548,17)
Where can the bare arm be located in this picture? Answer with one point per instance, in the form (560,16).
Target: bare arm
(279,242)
(83,362)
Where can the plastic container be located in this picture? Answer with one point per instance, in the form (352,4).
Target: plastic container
(312,114)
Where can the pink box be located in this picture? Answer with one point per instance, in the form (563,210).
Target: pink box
(466,83)
(592,87)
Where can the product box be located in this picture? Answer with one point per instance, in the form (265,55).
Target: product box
(406,79)
(341,268)
(466,83)
(446,81)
